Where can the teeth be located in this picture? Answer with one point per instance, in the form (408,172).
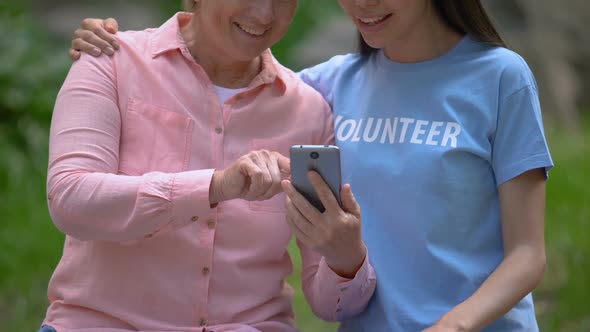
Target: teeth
(251,30)
(372,20)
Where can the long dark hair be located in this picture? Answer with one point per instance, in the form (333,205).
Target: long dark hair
(464,16)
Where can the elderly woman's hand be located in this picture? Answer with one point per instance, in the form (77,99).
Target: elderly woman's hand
(95,36)
(335,233)
(255,176)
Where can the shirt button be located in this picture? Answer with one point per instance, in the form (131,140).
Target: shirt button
(202,322)
(205,270)
(194,218)
(218,130)
(343,289)
(211,223)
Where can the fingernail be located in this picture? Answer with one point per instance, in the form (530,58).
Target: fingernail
(116,44)
(285,185)
(109,51)
(96,51)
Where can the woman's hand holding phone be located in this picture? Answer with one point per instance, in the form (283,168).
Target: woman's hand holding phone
(335,233)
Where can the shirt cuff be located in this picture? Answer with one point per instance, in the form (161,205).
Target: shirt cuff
(189,196)
(351,293)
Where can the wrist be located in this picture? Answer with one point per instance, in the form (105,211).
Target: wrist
(456,321)
(348,263)
(215,188)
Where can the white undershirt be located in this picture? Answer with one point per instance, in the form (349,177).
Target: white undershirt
(225,94)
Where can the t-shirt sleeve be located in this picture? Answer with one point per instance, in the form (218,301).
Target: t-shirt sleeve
(519,144)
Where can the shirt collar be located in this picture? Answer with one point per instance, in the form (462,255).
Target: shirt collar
(271,73)
(168,38)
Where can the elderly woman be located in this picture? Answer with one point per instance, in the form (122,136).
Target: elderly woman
(162,177)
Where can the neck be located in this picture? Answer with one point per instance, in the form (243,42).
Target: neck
(222,69)
(427,41)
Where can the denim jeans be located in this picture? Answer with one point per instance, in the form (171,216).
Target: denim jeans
(47,328)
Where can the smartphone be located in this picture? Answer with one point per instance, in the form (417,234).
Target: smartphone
(324,159)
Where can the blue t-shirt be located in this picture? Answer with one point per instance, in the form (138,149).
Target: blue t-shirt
(425,147)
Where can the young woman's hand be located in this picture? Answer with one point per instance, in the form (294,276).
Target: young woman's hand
(255,176)
(335,233)
(95,36)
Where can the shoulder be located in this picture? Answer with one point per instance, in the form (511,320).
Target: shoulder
(333,67)
(326,77)
(135,40)
(341,60)
(515,68)
(134,45)
(512,69)
(295,85)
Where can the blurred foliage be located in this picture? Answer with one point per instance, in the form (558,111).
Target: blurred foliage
(562,298)
(30,76)
(310,14)
(33,66)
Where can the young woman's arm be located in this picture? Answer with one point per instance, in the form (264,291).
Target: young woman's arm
(337,277)
(522,203)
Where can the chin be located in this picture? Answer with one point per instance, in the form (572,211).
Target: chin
(374,43)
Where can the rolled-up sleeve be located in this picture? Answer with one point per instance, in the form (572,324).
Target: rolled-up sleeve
(332,297)
(87,199)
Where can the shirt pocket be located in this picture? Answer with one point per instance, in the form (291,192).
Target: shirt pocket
(276,203)
(154,140)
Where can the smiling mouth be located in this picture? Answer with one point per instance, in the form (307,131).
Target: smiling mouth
(370,21)
(254,32)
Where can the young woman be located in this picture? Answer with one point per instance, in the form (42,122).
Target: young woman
(440,129)
(164,173)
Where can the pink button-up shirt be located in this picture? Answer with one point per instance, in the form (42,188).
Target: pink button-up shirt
(135,139)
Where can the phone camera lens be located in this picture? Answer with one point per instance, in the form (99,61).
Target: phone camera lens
(314,155)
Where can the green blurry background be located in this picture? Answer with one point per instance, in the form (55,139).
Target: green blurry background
(34,38)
